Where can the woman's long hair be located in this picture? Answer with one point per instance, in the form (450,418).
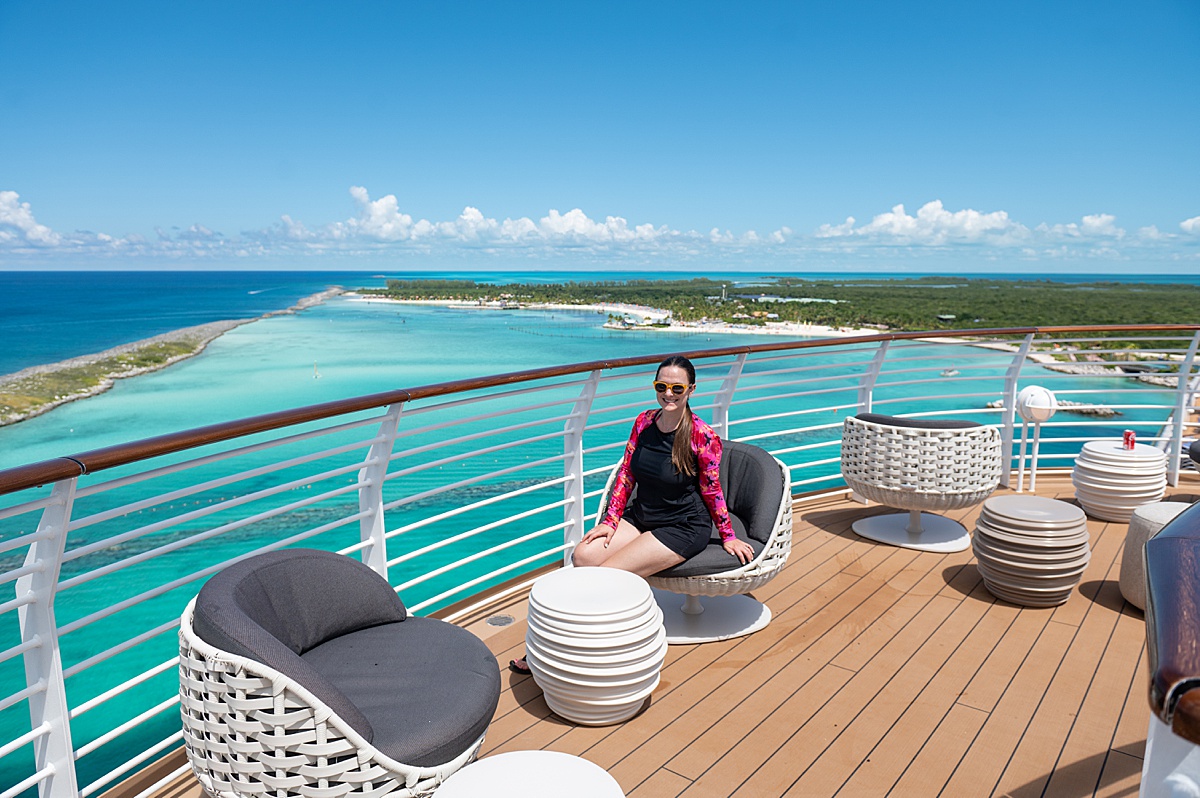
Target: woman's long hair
(681,452)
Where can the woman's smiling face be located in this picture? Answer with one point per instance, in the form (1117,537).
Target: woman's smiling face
(672,375)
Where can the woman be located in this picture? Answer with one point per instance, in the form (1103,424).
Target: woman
(675,458)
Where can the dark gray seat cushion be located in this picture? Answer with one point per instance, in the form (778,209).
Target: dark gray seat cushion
(916,423)
(386,672)
(753,487)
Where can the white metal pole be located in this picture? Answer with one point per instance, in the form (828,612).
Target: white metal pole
(1021,458)
(1183,388)
(1009,424)
(43,661)
(573,510)
(372,526)
(724,396)
(866,385)
(1037,439)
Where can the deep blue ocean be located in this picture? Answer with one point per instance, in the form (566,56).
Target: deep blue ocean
(50,316)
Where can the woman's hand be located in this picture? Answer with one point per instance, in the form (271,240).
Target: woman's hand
(740,549)
(602,531)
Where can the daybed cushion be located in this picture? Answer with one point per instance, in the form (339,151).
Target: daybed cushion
(275,606)
(916,423)
(428,689)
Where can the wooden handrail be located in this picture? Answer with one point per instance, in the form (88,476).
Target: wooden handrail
(44,472)
(1173,623)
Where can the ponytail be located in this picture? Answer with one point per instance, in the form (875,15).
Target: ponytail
(682,456)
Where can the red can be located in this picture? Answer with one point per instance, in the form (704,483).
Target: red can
(1129,440)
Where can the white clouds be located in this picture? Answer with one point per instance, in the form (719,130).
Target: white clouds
(933,225)
(382,226)
(17,225)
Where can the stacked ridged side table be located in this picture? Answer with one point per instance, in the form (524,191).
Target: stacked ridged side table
(1112,481)
(595,643)
(1031,550)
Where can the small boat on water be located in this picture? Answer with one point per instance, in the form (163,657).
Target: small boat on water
(950,372)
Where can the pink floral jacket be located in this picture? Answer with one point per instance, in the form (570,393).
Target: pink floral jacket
(706,445)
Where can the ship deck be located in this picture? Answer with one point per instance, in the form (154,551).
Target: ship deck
(885,671)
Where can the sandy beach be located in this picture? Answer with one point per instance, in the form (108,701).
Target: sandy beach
(32,382)
(648,313)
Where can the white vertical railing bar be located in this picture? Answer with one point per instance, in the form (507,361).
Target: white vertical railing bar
(43,663)
(724,396)
(371,526)
(1008,422)
(573,465)
(1181,394)
(866,386)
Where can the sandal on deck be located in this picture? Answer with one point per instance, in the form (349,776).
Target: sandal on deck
(515,666)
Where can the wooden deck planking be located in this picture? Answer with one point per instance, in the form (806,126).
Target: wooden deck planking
(884,672)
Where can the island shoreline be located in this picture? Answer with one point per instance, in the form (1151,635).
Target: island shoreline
(197,336)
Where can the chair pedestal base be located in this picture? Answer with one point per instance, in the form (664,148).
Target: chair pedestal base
(718,618)
(932,532)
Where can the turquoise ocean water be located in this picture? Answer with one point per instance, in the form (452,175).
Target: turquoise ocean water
(358,347)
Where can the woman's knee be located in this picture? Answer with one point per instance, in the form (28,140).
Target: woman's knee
(586,556)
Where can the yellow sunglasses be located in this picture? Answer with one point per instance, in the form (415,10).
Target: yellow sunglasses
(673,387)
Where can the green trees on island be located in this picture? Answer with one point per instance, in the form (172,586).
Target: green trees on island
(927,303)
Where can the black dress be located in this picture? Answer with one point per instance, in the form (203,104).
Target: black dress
(668,503)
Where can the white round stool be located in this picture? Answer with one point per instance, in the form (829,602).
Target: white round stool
(1111,481)
(528,774)
(595,643)
(1147,521)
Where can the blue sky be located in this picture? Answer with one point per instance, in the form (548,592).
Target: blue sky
(924,136)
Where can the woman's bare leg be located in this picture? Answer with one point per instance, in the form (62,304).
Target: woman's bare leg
(644,556)
(594,552)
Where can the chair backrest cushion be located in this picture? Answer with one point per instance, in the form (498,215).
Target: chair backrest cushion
(916,423)
(275,606)
(753,487)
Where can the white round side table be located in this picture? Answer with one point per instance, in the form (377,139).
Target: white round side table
(595,643)
(1112,481)
(526,774)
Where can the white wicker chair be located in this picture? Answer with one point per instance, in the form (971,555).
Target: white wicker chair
(250,729)
(923,467)
(758,490)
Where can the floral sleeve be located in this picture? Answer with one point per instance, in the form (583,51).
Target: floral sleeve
(618,497)
(707,445)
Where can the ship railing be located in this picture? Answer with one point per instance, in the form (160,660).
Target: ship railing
(451,491)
